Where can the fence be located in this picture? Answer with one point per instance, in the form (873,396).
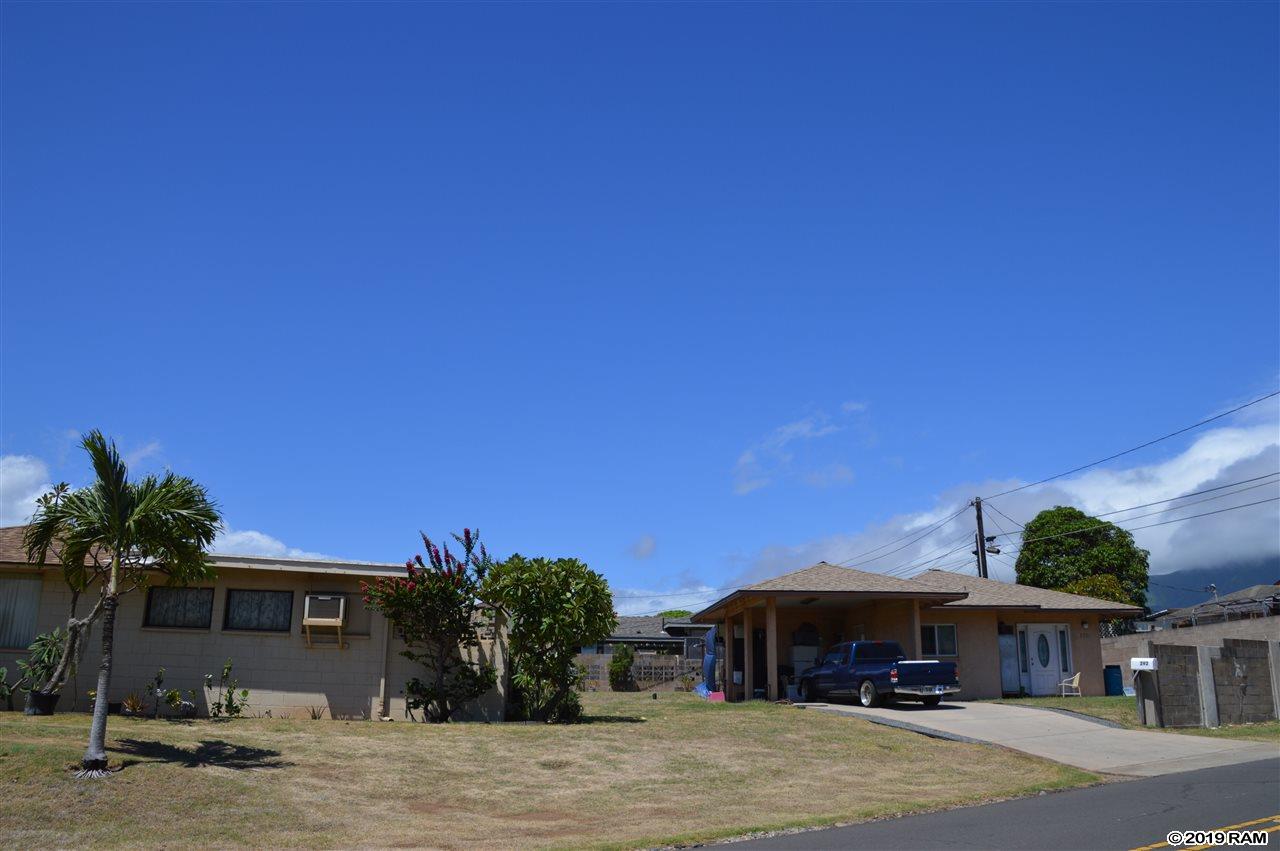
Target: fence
(650,671)
(1200,686)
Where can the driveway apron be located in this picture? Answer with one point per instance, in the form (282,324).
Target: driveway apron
(1083,743)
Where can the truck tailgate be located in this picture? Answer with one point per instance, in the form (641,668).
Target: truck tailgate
(927,673)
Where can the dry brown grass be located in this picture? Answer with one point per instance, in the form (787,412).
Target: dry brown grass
(642,771)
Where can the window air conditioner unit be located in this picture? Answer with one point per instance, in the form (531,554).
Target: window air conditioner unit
(326,611)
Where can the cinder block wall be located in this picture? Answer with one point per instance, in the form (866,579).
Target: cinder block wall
(1242,682)
(1119,650)
(1178,675)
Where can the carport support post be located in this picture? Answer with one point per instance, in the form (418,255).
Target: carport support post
(914,643)
(748,657)
(728,657)
(771,645)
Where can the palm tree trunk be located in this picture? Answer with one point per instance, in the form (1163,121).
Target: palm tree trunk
(94,763)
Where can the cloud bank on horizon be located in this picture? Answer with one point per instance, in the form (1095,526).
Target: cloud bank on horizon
(1217,457)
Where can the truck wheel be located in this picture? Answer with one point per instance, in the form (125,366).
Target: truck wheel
(932,701)
(867,694)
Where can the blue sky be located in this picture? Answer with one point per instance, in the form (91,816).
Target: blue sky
(689,292)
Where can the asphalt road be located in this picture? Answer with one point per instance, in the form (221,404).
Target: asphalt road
(1127,814)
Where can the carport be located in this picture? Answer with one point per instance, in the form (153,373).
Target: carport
(776,628)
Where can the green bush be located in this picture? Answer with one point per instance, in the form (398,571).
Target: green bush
(620,668)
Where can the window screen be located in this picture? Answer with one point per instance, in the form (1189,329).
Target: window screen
(179,608)
(266,611)
(1062,654)
(938,640)
(19,604)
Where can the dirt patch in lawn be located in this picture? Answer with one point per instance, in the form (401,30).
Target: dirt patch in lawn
(678,769)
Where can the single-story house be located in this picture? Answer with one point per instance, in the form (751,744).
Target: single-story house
(1256,601)
(653,634)
(1004,638)
(296,630)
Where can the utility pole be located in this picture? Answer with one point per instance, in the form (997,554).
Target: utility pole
(980,538)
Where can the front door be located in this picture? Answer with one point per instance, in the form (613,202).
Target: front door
(1044,666)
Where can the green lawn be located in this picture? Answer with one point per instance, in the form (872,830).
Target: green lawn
(1122,710)
(641,772)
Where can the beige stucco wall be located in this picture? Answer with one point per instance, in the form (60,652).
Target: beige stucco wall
(282,673)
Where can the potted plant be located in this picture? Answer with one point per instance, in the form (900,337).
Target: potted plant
(46,651)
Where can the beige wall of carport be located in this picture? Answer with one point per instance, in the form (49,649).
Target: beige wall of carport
(282,674)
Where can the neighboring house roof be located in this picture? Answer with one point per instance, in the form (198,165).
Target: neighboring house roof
(13,552)
(641,628)
(1240,600)
(992,594)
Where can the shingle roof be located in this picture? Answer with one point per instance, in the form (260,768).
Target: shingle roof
(988,593)
(13,552)
(1235,600)
(830,577)
(643,627)
(11,549)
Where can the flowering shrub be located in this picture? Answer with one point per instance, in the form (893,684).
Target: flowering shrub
(436,609)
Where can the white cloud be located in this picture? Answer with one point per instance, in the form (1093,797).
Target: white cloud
(829,476)
(770,458)
(1217,457)
(23,478)
(644,547)
(640,601)
(249,542)
(148,450)
(854,407)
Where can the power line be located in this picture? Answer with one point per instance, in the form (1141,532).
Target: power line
(1005,516)
(920,536)
(1197,493)
(963,541)
(1271,395)
(1162,511)
(1149,525)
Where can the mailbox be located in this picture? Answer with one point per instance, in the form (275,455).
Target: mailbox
(1146,687)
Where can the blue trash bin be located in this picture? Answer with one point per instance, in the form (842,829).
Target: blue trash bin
(1113,680)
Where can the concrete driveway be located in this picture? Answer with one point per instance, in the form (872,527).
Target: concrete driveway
(1087,744)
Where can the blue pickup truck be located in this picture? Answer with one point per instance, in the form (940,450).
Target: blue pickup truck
(876,672)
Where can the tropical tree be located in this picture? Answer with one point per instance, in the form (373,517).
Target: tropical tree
(1100,586)
(116,535)
(553,607)
(436,608)
(675,613)
(1063,546)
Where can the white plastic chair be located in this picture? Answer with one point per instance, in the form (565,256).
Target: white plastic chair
(1070,687)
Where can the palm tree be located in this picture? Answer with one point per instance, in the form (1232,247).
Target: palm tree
(120,534)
